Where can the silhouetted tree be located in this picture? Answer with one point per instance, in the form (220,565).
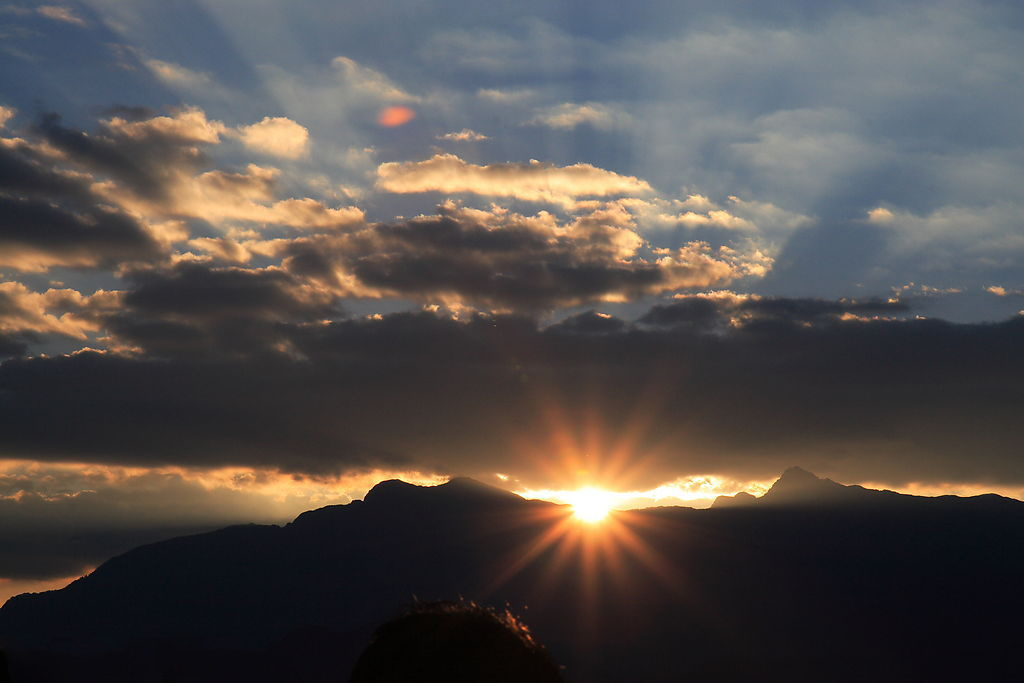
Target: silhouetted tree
(454,642)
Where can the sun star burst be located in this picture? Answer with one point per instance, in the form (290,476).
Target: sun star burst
(591,505)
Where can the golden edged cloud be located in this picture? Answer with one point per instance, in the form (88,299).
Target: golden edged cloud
(503,261)
(186,125)
(533,181)
(64,312)
(278,136)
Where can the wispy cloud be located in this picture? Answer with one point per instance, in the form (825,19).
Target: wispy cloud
(570,115)
(178,76)
(61,13)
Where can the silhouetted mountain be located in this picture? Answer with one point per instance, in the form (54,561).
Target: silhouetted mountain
(814,581)
(798,487)
(741,499)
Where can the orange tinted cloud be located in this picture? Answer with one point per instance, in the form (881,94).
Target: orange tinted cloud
(534,181)
(392,117)
(278,136)
(22,310)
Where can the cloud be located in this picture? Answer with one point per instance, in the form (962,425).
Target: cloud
(126,193)
(278,136)
(22,310)
(178,76)
(144,156)
(186,126)
(61,13)
(570,115)
(197,309)
(720,311)
(369,82)
(220,196)
(702,216)
(503,260)
(540,48)
(499,96)
(49,215)
(6,114)
(969,243)
(15,344)
(807,151)
(535,181)
(86,238)
(723,384)
(1000,291)
(153,168)
(715,218)
(464,135)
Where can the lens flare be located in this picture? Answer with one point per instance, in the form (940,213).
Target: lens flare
(392,117)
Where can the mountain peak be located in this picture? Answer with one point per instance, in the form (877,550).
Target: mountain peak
(741,499)
(463,489)
(798,486)
(798,474)
(388,489)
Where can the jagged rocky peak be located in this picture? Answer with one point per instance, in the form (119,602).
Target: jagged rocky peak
(797,485)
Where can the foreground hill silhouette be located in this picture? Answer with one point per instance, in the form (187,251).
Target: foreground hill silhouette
(814,581)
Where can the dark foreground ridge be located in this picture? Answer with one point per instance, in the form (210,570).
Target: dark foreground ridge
(814,581)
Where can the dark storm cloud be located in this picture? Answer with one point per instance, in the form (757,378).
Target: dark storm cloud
(14,344)
(35,235)
(48,216)
(194,308)
(857,399)
(142,157)
(711,311)
(195,290)
(26,172)
(504,261)
(589,322)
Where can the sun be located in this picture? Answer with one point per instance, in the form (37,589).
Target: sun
(590,504)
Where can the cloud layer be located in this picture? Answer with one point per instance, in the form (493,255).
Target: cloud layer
(717,383)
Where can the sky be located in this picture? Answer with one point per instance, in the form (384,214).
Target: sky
(256,256)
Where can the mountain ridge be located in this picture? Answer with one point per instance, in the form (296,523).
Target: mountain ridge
(765,570)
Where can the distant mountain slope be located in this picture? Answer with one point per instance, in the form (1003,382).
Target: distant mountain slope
(814,581)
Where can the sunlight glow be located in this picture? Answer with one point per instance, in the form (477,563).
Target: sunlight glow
(697,491)
(590,504)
